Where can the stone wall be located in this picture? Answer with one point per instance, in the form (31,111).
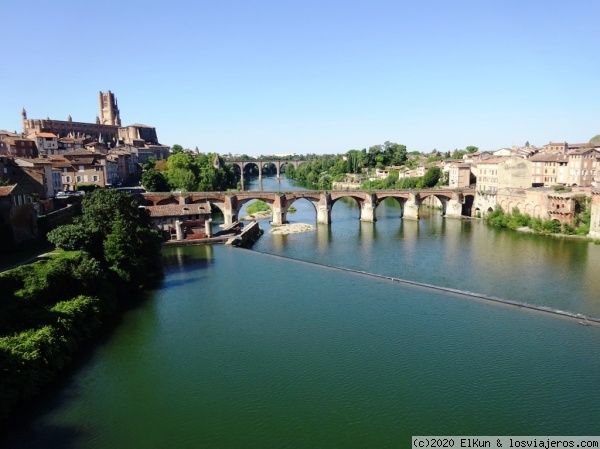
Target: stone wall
(595,219)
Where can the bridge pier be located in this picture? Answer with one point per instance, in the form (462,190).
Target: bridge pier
(208,227)
(324,209)
(367,209)
(178,230)
(230,211)
(411,207)
(454,208)
(279,212)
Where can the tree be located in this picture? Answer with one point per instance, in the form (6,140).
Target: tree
(395,154)
(431,177)
(472,149)
(150,163)
(181,160)
(154,181)
(175,149)
(117,232)
(182,179)
(355,161)
(70,237)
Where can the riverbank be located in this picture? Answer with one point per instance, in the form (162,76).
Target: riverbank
(50,310)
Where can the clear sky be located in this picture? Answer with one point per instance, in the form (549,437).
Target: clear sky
(264,77)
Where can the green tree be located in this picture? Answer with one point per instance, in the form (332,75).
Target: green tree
(355,161)
(181,160)
(395,154)
(182,179)
(431,177)
(150,163)
(154,181)
(175,149)
(70,237)
(113,228)
(472,149)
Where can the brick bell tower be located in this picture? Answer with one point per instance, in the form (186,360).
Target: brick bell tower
(109,109)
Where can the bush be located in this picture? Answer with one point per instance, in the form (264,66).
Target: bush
(257,206)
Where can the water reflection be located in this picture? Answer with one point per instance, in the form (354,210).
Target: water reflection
(178,257)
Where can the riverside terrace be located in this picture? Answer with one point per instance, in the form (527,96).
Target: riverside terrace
(454,203)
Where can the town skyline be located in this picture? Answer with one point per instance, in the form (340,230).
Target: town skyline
(313,78)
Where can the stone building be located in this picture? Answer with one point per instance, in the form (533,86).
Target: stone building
(503,172)
(106,125)
(18,218)
(18,147)
(47,143)
(584,164)
(496,174)
(81,167)
(181,221)
(541,203)
(109,109)
(459,175)
(29,179)
(555,148)
(138,135)
(549,169)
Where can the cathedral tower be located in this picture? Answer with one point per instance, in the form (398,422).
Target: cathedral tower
(109,109)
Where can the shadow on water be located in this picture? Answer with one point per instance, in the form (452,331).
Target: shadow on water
(179,258)
(47,436)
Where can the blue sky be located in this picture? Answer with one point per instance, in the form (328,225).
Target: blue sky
(266,77)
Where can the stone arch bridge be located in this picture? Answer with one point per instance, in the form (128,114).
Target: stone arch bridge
(454,203)
(278,163)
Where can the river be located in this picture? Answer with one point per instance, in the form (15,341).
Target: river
(274,347)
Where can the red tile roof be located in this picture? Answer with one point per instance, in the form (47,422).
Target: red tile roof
(6,190)
(178,210)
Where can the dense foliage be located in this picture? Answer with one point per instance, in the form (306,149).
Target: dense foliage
(322,170)
(501,219)
(189,172)
(115,231)
(50,308)
(432,177)
(257,206)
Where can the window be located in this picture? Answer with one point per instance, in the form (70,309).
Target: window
(68,178)
(81,168)
(95,178)
(78,178)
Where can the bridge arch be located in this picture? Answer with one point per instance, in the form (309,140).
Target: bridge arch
(400,200)
(312,201)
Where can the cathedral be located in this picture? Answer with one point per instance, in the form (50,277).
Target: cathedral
(105,128)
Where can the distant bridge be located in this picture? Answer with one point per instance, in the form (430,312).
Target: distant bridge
(455,203)
(278,163)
